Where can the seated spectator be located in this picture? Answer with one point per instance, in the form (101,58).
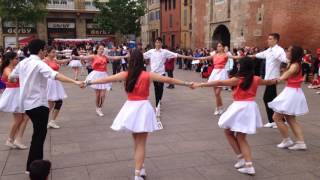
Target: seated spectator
(40,170)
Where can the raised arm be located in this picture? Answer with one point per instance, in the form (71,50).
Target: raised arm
(114,78)
(118,58)
(63,61)
(227,82)
(164,79)
(186,57)
(268,82)
(205,58)
(84,58)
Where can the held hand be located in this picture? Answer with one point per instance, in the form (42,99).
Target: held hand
(195,85)
(81,84)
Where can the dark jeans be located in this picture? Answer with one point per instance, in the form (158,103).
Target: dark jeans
(306,69)
(269,94)
(124,67)
(116,68)
(170,74)
(158,91)
(179,62)
(39,117)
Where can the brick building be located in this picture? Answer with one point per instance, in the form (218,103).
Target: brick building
(176,23)
(65,19)
(248,22)
(170,22)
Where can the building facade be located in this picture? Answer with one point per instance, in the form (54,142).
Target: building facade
(241,23)
(150,23)
(65,19)
(170,22)
(186,24)
(176,23)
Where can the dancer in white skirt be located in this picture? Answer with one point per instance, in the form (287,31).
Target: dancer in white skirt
(291,102)
(99,65)
(220,59)
(137,115)
(75,63)
(55,89)
(9,102)
(243,116)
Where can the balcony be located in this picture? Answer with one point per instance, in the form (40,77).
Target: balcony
(89,6)
(61,5)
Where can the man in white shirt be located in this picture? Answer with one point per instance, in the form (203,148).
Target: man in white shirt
(274,55)
(33,74)
(157,58)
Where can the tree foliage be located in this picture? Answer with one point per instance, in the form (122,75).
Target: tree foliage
(23,10)
(120,16)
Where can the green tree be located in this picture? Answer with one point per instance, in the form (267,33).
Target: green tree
(22,11)
(120,16)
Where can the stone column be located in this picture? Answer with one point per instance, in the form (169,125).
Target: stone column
(42,29)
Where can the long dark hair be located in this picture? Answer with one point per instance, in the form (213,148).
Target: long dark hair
(136,66)
(296,54)
(7,57)
(246,71)
(75,52)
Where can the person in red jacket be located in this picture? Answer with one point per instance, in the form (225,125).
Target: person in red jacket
(169,67)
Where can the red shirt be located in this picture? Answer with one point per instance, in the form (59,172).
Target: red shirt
(296,80)
(53,64)
(246,95)
(307,59)
(99,63)
(169,65)
(219,62)
(141,89)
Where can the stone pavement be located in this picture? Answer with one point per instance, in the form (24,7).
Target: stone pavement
(191,146)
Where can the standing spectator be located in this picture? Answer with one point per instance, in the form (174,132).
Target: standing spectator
(179,60)
(89,63)
(169,66)
(306,65)
(115,63)
(124,62)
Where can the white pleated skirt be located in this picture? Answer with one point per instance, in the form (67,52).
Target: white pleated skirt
(9,101)
(75,63)
(291,101)
(241,116)
(218,74)
(55,90)
(136,117)
(97,75)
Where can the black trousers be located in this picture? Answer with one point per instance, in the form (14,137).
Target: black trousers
(116,68)
(170,74)
(39,117)
(269,94)
(158,91)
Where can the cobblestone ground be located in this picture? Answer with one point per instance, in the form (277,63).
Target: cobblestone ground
(191,146)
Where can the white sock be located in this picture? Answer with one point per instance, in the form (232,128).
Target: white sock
(137,172)
(240,156)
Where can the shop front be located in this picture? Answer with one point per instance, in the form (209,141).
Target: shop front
(25,31)
(61,28)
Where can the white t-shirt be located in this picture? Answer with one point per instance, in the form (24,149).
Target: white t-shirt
(158,58)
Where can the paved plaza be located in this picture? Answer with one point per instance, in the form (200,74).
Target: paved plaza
(190,147)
